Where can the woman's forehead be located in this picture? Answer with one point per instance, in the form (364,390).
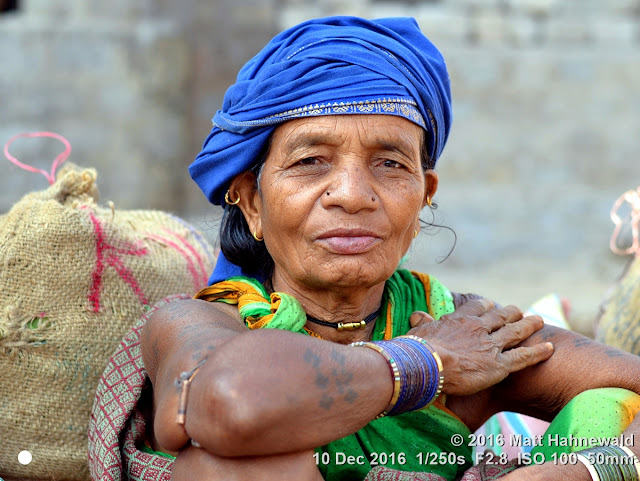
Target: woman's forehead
(370,130)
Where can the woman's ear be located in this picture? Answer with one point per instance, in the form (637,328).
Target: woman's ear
(431,186)
(244,190)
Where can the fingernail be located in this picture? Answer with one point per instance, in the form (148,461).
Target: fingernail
(549,345)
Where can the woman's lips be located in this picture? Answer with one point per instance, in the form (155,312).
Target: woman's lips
(342,241)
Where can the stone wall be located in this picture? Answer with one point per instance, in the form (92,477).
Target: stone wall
(546,109)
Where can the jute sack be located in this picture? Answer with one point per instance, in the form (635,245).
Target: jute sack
(619,324)
(74,277)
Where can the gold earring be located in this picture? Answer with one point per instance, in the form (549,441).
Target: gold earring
(429,201)
(255,236)
(226,198)
(415,233)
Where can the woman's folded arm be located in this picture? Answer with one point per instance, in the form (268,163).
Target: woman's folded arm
(258,392)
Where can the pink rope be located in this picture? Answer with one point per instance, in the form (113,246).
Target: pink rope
(56,163)
(632,197)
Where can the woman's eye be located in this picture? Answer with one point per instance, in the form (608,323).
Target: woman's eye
(392,164)
(308,161)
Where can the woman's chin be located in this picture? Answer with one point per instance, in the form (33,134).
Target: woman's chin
(353,272)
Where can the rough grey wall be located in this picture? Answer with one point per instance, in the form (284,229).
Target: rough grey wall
(545,136)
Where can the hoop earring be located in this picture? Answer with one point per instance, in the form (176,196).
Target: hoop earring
(259,239)
(429,202)
(226,198)
(415,233)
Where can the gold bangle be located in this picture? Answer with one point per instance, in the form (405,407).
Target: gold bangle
(395,373)
(183,382)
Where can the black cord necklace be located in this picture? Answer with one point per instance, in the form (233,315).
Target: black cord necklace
(347,326)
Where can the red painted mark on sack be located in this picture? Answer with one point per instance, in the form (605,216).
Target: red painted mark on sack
(109,255)
(204,276)
(199,275)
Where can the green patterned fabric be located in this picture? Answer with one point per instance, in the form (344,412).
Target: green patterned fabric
(594,417)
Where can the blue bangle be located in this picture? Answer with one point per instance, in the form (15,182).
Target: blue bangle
(416,369)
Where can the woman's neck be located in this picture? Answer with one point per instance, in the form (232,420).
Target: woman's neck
(335,304)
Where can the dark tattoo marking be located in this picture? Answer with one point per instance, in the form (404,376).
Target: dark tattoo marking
(341,375)
(351,396)
(312,358)
(176,311)
(326,402)
(201,347)
(189,330)
(155,349)
(614,353)
(581,342)
(322,381)
(547,334)
(342,379)
(337,357)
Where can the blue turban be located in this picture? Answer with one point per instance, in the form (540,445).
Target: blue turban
(327,66)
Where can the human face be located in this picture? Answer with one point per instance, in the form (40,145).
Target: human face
(339,198)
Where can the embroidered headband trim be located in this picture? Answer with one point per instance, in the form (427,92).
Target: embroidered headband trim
(398,106)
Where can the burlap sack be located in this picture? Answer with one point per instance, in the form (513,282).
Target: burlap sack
(619,324)
(74,277)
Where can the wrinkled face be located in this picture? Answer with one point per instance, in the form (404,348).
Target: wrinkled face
(340,198)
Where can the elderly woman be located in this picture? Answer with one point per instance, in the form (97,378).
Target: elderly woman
(310,355)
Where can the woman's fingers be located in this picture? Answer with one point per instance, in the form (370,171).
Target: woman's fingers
(474,308)
(478,344)
(513,334)
(521,357)
(497,318)
(419,318)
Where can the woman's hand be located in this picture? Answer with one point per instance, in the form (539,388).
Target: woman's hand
(477,344)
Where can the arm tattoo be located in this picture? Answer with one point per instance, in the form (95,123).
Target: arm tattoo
(326,401)
(351,396)
(547,334)
(199,354)
(322,381)
(610,352)
(343,377)
(155,350)
(312,358)
(340,376)
(175,311)
(581,342)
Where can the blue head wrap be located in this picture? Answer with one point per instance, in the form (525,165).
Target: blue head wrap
(327,66)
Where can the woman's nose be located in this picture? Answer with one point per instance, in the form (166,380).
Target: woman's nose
(351,188)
